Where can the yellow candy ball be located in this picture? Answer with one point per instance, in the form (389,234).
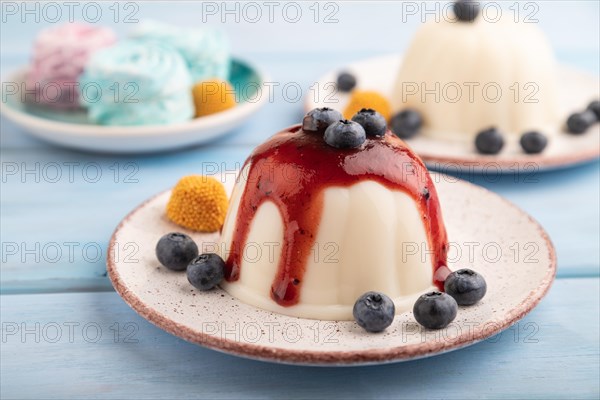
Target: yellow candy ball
(212,96)
(367,99)
(198,203)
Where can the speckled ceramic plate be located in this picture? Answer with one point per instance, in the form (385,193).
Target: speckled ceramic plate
(73,128)
(487,233)
(576,90)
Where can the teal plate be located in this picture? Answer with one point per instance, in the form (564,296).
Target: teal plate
(73,128)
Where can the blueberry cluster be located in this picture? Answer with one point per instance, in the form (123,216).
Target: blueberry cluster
(342,133)
(178,252)
(579,122)
(491,141)
(375,311)
(435,310)
(405,124)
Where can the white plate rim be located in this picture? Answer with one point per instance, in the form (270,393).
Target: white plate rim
(478,162)
(332,358)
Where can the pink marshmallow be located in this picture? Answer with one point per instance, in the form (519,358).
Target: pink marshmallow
(59,57)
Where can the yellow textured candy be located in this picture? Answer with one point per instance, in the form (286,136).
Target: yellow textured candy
(213,96)
(367,99)
(198,203)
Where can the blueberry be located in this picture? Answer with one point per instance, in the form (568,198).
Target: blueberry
(578,123)
(533,142)
(595,107)
(345,134)
(466,10)
(489,141)
(374,311)
(372,122)
(319,119)
(466,286)
(346,82)
(406,123)
(435,310)
(206,271)
(175,250)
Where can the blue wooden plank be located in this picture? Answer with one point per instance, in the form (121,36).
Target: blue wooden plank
(552,353)
(282,109)
(394,25)
(298,55)
(563,362)
(59,209)
(55,229)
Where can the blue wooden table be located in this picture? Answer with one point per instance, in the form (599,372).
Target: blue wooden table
(66,334)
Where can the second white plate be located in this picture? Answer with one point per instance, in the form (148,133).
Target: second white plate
(487,234)
(564,150)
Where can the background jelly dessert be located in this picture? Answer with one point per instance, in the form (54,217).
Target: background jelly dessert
(451,59)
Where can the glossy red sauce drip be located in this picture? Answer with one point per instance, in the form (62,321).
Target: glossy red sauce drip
(293,168)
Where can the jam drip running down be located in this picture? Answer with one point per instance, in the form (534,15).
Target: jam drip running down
(292,170)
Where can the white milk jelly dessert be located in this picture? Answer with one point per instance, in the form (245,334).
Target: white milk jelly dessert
(474,72)
(315,221)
